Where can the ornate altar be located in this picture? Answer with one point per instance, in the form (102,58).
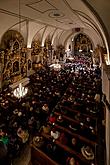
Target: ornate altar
(13,57)
(82,42)
(47,51)
(36,50)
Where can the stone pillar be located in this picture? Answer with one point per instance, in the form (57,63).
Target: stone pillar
(72,48)
(0,76)
(29,72)
(107,136)
(29,50)
(52,54)
(106,91)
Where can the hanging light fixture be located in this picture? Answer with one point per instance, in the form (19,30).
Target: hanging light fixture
(20,92)
(19,6)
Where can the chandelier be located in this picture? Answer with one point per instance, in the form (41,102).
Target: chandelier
(20,91)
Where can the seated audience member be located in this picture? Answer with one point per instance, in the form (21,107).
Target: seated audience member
(4,160)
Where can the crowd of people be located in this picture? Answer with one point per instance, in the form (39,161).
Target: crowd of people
(22,118)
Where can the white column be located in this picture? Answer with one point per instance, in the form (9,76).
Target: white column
(29,50)
(0,76)
(108,136)
(106,91)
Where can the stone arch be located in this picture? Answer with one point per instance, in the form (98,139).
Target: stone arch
(9,38)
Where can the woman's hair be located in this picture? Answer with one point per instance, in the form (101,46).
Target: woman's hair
(4,160)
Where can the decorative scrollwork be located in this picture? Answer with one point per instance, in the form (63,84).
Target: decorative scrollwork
(13,57)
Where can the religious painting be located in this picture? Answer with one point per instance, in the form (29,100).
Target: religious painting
(29,64)
(13,56)
(16,66)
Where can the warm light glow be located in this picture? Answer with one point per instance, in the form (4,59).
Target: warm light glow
(68,50)
(80,50)
(56,66)
(29,45)
(91,51)
(70,58)
(107,62)
(42,44)
(20,91)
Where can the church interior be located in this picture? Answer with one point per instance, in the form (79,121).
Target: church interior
(54,82)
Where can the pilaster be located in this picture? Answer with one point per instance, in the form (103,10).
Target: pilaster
(106,91)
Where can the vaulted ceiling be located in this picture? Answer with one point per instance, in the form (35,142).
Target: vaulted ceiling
(58,19)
